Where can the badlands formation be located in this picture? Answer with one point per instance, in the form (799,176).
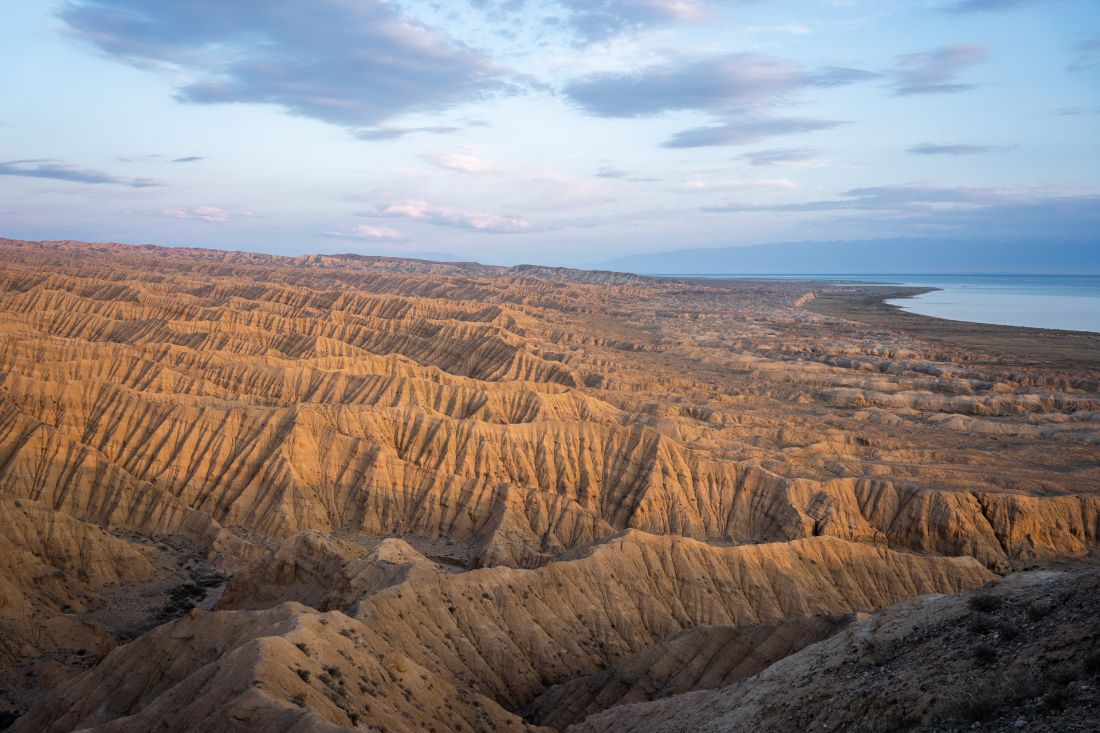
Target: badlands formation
(251,493)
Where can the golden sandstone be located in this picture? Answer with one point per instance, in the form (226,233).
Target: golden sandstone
(417,496)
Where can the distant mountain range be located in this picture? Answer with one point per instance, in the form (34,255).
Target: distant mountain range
(872,256)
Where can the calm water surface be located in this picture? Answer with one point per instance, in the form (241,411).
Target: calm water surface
(1070,302)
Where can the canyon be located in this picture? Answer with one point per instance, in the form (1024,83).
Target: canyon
(325,493)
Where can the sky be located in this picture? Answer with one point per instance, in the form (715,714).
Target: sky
(563,132)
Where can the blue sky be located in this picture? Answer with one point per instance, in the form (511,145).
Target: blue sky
(549,131)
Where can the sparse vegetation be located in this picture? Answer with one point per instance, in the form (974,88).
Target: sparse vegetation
(1064,673)
(984,603)
(981,624)
(1023,685)
(1092,663)
(985,654)
(303,673)
(1008,630)
(182,598)
(1057,698)
(977,704)
(1037,610)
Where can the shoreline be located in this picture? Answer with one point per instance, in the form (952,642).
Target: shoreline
(1023,345)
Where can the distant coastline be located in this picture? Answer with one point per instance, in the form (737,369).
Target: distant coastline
(1043,301)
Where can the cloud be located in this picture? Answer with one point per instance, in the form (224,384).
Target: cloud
(366,231)
(1071,111)
(1088,55)
(712,184)
(188,159)
(934,72)
(349,63)
(879,198)
(48,168)
(395,133)
(986,212)
(791,29)
(611,172)
(744,132)
(983,6)
(779,156)
(469,162)
(448,217)
(933,149)
(596,20)
(208,214)
(716,84)
(607,171)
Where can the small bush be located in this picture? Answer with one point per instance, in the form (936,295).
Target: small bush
(1064,672)
(978,704)
(1057,698)
(981,624)
(896,721)
(984,603)
(303,673)
(1008,630)
(1024,685)
(985,655)
(299,699)
(1092,663)
(303,648)
(1037,610)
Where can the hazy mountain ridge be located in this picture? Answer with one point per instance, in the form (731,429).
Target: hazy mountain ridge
(886,256)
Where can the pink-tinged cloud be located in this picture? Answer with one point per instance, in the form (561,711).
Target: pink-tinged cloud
(450,217)
(209,214)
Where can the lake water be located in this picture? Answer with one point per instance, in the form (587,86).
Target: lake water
(1069,302)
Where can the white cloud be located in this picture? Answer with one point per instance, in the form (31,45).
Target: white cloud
(449,217)
(712,184)
(366,231)
(209,214)
(468,161)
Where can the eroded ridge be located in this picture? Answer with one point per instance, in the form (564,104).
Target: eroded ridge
(254,433)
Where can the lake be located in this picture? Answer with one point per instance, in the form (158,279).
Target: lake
(1068,302)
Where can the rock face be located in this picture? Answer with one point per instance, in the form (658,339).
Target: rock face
(491,639)
(699,658)
(1021,655)
(53,567)
(492,496)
